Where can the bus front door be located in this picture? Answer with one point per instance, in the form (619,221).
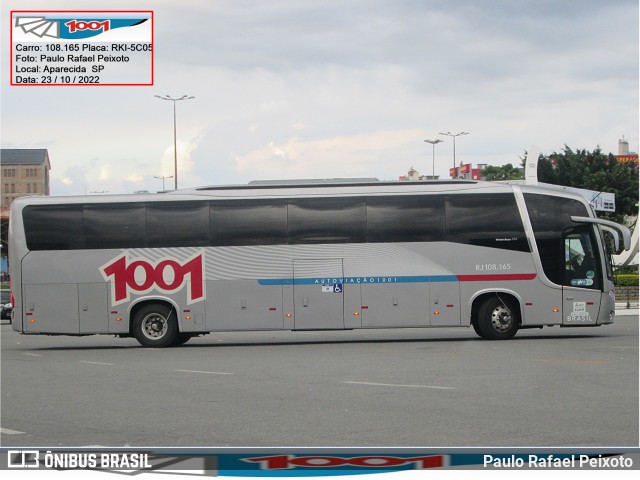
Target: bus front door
(318,296)
(582,283)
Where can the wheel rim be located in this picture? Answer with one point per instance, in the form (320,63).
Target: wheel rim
(154,326)
(501,319)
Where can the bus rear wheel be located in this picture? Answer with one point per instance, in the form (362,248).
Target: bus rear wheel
(497,320)
(182,338)
(155,325)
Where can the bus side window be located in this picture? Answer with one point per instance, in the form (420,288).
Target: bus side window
(326,220)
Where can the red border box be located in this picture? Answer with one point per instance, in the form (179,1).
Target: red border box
(80,84)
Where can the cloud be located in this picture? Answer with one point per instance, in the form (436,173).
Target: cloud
(349,156)
(185,163)
(73,180)
(135,178)
(105,173)
(334,89)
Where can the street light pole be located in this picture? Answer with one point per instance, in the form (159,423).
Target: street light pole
(175,137)
(454,135)
(163,178)
(433,157)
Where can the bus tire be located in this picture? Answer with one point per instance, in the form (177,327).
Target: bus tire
(155,325)
(497,320)
(479,332)
(182,338)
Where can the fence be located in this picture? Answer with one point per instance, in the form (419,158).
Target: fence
(627,295)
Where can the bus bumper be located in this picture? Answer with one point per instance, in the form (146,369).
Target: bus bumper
(608,308)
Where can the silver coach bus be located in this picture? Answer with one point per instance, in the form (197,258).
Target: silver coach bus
(167,267)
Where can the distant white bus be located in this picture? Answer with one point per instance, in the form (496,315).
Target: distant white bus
(167,267)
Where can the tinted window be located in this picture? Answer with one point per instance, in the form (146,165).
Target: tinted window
(114,225)
(53,227)
(177,224)
(249,222)
(581,260)
(550,216)
(327,220)
(405,219)
(487,220)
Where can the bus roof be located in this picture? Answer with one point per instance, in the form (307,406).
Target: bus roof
(336,188)
(291,189)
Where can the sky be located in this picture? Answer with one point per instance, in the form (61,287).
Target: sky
(290,89)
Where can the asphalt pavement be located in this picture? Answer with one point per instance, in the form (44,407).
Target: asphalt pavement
(402,387)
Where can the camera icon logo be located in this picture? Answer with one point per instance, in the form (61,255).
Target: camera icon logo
(23,459)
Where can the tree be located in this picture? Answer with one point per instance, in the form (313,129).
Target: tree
(594,171)
(505,172)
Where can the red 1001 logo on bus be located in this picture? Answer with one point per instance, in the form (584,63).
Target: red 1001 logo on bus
(167,275)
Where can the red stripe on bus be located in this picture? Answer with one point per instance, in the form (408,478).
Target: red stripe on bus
(504,277)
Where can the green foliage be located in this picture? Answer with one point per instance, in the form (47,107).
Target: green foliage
(619,270)
(626,280)
(505,172)
(594,171)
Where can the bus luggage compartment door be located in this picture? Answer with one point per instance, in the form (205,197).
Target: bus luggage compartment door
(395,305)
(51,307)
(444,308)
(318,296)
(93,303)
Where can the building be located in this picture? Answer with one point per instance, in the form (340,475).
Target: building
(25,171)
(466,172)
(414,176)
(624,155)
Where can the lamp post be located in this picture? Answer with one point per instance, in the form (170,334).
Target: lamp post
(163,177)
(433,157)
(454,135)
(175,138)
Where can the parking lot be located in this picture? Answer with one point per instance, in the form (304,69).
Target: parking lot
(409,387)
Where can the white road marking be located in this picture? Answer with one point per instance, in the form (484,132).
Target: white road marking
(396,385)
(31,354)
(200,371)
(97,363)
(6,431)
(572,361)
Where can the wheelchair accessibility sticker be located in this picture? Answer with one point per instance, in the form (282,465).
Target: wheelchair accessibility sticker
(333,288)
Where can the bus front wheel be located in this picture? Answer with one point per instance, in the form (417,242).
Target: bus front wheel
(497,320)
(155,325)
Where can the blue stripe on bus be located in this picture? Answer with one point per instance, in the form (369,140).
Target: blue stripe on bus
(358,280)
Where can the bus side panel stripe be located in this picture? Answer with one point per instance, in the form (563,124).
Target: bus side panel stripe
(506,277)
